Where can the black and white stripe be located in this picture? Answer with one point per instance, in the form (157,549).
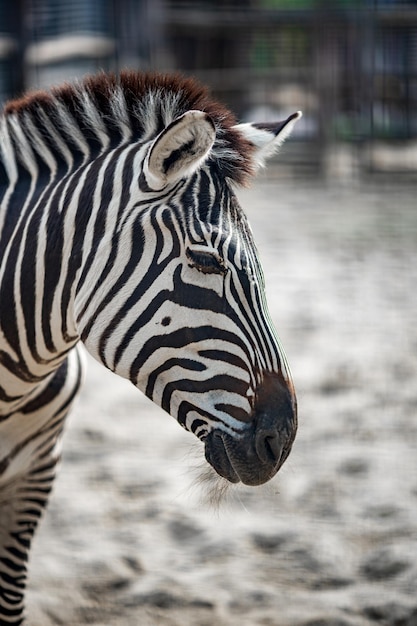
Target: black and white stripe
(119,226)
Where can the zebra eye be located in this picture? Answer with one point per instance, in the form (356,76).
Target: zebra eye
(206,261)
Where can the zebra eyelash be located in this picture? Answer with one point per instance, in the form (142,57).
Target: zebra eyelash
(205,260)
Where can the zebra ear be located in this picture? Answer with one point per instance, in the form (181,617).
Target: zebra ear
(179,149)
(267,138)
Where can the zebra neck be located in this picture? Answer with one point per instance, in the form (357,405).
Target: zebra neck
(58,219)
(42,235)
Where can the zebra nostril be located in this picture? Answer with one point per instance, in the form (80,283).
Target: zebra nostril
(275,419)
(268,446)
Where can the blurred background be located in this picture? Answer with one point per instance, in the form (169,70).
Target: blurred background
(350,65)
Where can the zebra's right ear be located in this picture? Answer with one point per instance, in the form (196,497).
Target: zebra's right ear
(179,149)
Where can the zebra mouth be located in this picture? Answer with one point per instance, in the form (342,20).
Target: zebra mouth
(238,460)
(216,455)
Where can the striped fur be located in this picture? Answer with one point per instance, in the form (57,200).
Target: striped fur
(163,286)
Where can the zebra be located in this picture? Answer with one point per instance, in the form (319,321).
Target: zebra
(120,229)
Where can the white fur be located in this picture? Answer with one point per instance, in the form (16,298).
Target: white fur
(266,142)
(192,126)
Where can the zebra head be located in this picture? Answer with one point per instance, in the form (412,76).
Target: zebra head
(187,320)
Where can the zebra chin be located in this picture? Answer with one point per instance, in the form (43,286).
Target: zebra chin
(255,455)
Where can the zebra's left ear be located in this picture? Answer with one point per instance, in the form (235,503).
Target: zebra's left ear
(267,138)
(179,149)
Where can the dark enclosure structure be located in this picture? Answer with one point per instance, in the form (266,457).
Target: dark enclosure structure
(350,65)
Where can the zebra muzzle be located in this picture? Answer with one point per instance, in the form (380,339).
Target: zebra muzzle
(238,460)
(255,455)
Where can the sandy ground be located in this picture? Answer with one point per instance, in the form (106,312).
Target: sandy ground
(130,536)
